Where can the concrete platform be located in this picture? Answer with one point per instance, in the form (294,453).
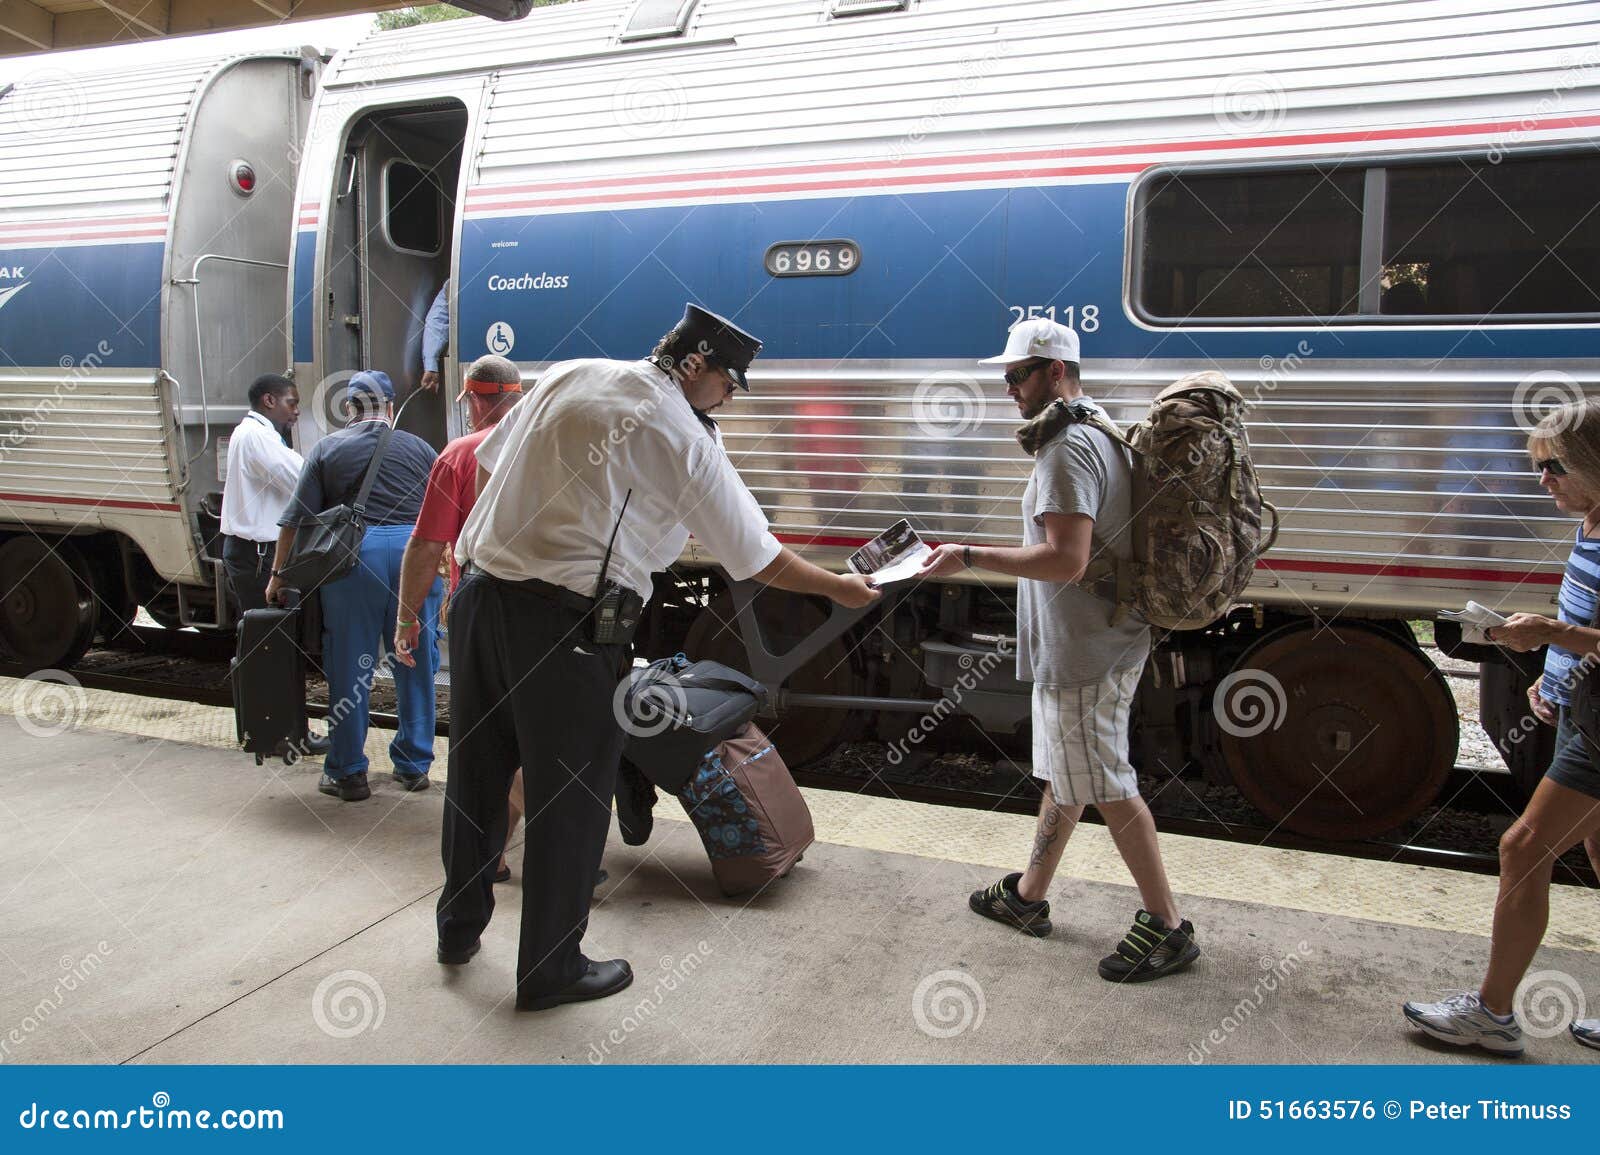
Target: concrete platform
(168,901)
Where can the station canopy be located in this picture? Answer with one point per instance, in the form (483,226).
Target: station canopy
(49,25)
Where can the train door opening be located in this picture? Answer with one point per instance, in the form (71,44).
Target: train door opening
(391,249)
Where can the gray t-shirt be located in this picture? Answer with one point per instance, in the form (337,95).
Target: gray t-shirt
(1064,632)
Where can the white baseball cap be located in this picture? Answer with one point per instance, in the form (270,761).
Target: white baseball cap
(1037,337)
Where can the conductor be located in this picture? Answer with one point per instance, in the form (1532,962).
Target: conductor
(602,455)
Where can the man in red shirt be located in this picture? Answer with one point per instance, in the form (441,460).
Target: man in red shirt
(492,387)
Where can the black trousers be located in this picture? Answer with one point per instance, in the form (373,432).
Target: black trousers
(527,688)
(249,566)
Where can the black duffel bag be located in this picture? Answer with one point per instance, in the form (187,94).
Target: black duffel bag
(676,711)
(329,545)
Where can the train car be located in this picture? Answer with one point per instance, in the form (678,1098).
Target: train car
(1377,218)
(145,223)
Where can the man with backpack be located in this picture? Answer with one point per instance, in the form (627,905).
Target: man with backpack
(1083,653)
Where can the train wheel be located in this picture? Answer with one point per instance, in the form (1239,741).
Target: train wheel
(802,735)
(115,602)
(1339,733)
(47,606)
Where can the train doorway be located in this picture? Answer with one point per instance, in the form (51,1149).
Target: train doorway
(390,252)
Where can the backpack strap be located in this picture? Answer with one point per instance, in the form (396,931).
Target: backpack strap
(360,503)
(1106,577)
(1110,430)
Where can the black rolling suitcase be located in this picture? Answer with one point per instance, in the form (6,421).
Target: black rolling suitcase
(269,685)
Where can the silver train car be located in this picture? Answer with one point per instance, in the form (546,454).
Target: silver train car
(1377,218)
(145,224)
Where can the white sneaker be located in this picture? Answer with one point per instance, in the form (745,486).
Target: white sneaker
(1586,1032)
(1465,1022)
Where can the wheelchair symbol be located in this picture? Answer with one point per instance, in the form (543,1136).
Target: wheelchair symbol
(502,338)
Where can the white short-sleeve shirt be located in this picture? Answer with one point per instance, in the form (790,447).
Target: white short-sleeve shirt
(561,463)
(262,475)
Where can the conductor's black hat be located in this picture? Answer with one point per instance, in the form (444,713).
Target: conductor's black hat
(719,339)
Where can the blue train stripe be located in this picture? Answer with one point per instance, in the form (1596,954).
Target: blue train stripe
(941,275)
(81,303)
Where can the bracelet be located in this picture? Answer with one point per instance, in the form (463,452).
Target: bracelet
(966,556)
(403,624)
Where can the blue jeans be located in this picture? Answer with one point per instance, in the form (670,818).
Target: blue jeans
(358,614)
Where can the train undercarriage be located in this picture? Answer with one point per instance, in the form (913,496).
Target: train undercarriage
(1339,729)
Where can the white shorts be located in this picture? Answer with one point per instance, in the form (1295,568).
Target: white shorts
(1080,739)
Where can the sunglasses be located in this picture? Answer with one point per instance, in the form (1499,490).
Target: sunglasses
(1555,467)
(1021,373)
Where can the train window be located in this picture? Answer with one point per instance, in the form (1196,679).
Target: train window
(1472,238)
(1258,245)
(658,19)
(413,216)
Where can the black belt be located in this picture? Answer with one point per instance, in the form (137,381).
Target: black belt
(260,547)
(561,595)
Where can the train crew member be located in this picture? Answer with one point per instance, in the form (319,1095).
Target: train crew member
(262,473)
(1083,667)
(359,609)
(435,337)
(1565,807)
(492,386)
(601,448)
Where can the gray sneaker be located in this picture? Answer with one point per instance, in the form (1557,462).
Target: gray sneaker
(1586,1032)
(1463,1021)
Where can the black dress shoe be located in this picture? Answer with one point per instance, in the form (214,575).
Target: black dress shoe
(455,958)
(315,744)
(600,980)
(351,788)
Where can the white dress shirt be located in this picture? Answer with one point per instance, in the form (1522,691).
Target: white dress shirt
(262,474)
(562,461)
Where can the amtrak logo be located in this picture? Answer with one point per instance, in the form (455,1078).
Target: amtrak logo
(7,294)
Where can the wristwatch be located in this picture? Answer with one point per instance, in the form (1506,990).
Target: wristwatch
(966,556)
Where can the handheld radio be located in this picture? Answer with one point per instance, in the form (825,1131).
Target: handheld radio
(617,609)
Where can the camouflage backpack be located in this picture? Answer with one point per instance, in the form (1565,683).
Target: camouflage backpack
(1197,507)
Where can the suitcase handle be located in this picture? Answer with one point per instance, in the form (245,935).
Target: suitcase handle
(773,670)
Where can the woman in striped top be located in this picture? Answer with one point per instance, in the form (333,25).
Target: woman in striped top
(1565,808)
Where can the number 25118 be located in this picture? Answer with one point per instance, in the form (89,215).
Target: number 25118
(1084,318)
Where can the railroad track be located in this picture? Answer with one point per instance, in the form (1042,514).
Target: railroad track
(1470,789)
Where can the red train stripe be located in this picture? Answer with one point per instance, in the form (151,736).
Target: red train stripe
(1440,573)
(45,240)
(62,224)
(107,502)
(483,193)
(858,183)
(1437,573)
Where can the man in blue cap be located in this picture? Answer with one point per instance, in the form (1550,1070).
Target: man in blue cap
(359,610)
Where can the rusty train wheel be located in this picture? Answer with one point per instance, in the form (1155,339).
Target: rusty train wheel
(1340,733)
(801,735)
